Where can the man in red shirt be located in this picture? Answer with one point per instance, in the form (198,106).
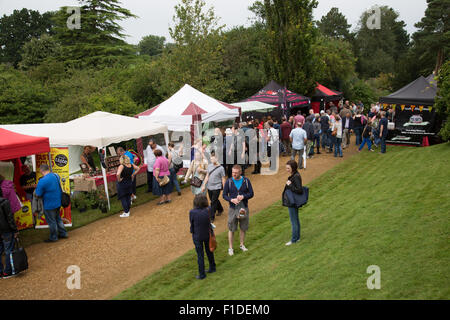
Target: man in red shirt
(286,129)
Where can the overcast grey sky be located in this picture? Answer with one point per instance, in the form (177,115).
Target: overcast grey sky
(155,16)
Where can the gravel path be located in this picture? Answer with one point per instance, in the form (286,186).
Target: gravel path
(113,253)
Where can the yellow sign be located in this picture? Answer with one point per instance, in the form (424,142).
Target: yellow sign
(24,217)
(60,166)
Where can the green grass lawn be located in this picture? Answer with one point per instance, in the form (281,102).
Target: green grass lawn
(387,210)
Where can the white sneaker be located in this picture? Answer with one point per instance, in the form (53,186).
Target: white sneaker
(243,248)
(133,197)
(213,225)
(289,243)
(125,215)
(230,252)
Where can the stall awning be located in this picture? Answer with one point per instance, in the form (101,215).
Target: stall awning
(15,145)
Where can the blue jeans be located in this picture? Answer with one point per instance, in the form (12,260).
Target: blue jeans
(174,179)
(383,145)
(55,224)
(316,143)
(6,245)
(201,257)
(295,222)
(369,144)
(358,134)
(376,137)
(338,147)
(324,140)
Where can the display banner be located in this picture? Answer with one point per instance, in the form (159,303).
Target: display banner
(24,217)
(60,166)
(416,120)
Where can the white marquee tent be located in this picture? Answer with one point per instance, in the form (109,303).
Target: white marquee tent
(98,129)
(254,106)
(187,107)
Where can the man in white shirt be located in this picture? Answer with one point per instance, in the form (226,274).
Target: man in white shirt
(299,138)
(273,140)
(150,161)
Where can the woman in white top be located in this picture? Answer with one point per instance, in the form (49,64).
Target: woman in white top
(336,130)
(198,170)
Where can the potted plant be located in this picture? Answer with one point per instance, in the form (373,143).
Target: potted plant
(102,202)
(82,202)
(92,199)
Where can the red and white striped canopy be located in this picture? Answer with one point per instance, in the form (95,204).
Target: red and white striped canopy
(179,110)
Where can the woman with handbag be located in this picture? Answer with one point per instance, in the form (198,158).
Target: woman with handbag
(197,171)
(294,185)
(175,164)
(201,233)
(161,178)
(214,182)
(125,174)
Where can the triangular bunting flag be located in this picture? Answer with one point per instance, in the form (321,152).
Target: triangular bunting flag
(421,108)
(403,107)
(412,108)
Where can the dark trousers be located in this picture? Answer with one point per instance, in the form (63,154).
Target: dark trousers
(383,145)
(126,203)
(149,181)
(201,257)
(358,135)
(7,243)
(216,206)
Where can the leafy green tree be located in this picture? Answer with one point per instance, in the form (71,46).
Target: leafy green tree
(443,98)
(334,60)
(197,56)
(244,60)
(379,50)
(21,99)
(151,45)
(290,37)
(99,41)
(38,50)
(432,40)
(19,28)
(335,25)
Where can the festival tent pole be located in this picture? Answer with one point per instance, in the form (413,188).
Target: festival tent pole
(105,181)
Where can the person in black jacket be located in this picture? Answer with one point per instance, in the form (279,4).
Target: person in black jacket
(293,184)
(200,229)
(8,233)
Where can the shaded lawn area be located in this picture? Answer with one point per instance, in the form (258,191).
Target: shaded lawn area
(387,210)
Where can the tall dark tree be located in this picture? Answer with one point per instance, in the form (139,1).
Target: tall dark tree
(379,50)
(432,40)
(100,40)
(335,25)
(19,28)
(290,36)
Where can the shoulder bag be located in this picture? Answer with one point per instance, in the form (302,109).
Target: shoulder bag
(18,258)
(65,198)
(295,200)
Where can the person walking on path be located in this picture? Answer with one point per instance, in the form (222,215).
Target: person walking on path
(293,184)
(366,134)
(49,189)
(197,169)
(8,234)
(160,173)
(299,138)
(347,129)
(237,191)
(214,182)
(125,176)
(337,135)
(175,164)
(317,130)
(200,229)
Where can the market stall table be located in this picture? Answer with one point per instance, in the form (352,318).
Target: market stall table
(87,184)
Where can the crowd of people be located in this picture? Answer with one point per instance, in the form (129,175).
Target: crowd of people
(217,167)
